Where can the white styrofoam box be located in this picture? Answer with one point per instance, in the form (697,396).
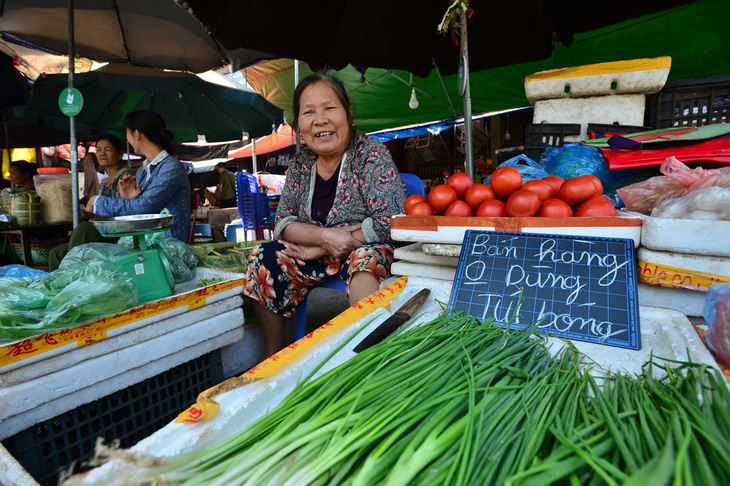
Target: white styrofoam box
(688,302)
(445,229)
(414,253)
(664,333)
(60,390)
(11,472)
(700,237)
(641,76)
(620,109)
(420,270)
(682,270)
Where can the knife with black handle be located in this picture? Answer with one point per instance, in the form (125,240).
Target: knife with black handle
(392,323)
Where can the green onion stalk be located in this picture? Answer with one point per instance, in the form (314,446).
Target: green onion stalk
(457,401)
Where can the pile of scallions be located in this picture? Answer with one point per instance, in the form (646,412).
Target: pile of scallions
(461,402)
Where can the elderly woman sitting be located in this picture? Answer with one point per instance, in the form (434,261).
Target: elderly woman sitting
(334,214)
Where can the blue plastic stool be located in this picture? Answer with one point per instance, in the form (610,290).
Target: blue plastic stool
(334,282)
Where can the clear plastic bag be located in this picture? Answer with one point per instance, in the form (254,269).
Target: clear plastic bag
(89,252)
(181,257)
(717,316)
(68,296)
(709,203)
(678,180)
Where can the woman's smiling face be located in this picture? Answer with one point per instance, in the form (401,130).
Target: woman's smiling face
(323,121)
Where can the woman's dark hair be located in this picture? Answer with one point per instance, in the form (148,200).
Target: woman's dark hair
(114,141)
(152,126)
(337,86)
(24,167)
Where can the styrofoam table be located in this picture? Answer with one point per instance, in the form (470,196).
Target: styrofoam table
(168,332)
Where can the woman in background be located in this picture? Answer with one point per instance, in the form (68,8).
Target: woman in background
(21,176)
(161,183)
(109,151)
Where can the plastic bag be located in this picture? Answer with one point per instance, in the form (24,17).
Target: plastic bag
(717,315)
(573,160)
(225,255)
(19,271)
(529,169)
(709,203)
(68,296)
(181,257)
(643,197)
(89,252)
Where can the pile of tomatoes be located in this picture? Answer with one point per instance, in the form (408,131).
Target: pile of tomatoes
(507,195)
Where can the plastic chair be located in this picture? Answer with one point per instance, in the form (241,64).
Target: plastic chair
(334,282)
(414,185)
(247,189)
(194,203)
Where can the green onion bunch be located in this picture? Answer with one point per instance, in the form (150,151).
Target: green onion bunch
(460,402)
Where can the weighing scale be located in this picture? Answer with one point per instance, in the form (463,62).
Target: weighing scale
(147,263)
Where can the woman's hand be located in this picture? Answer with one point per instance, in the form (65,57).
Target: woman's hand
(128,187)
(90,204)
(301,252)
(340,242)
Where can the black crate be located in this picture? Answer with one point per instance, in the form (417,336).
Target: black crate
(128,415)
(693,102)
(540,136)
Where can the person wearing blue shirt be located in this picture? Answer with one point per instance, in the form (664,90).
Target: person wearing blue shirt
(161,182)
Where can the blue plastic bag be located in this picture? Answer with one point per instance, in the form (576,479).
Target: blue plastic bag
(17,271)
(573,160)
(529,169)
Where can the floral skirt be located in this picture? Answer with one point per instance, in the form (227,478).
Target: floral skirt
(280,283)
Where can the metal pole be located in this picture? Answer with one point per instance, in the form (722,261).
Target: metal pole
(253,155)
(467,97)
(72,120)
(296,83)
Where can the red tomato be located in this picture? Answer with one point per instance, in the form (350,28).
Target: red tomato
(505,181)
(598,205)
(555,208)
(477,194)
(460,182)
(421,209)
(415,198)
(555,182)
(523,203)
(543,189)
(578,189)
(459,208)
(492,208)
(441,197)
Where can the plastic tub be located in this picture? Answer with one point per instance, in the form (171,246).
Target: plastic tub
(53,185)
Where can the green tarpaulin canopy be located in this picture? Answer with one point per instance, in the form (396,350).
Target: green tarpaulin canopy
(695,36)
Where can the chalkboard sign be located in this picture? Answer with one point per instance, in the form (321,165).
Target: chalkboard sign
(581,288)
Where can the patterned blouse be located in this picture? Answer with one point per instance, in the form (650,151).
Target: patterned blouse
(112,190)
(369,191)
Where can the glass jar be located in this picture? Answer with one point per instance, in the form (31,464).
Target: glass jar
(53,185)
